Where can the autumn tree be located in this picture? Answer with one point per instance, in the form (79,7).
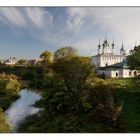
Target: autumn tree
(65,52)
(47,56)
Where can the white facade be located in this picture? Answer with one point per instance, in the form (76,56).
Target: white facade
(104,60)
(118,73)
(11,61)
(107,63)
(106,55)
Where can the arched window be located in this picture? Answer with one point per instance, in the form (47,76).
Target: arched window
(135,73)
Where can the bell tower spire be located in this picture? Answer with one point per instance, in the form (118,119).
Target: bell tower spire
(122,50)
(99,47)
(113,47)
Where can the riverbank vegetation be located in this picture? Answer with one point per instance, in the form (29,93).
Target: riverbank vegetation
(9,87)
(4,126)
(74,99)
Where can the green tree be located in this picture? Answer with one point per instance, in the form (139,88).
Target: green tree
(65,52)
(134,58)
(2,87)
(13,86)
(4,127)
(22,62)
(47,56)
(75,70)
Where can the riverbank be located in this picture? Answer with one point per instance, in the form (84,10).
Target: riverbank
(25,84)
(9,88)
(7,100)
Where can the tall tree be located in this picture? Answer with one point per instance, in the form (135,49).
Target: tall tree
(134,58)
(75,70)
(65,52)
(47,56)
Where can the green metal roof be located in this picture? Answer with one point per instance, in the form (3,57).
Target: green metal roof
(123,64)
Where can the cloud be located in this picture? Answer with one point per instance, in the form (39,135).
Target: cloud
(120,22)
(78,26)
(38,17)
(12,16)
(25,17)
(75,18)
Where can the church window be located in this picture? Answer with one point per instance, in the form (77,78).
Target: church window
(117,74)
(135,73)
(130,73)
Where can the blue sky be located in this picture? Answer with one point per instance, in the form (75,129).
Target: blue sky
(26,31)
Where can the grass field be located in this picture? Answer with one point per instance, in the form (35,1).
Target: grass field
(129,94)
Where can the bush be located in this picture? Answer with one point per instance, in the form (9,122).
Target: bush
(13,86)
(4,127)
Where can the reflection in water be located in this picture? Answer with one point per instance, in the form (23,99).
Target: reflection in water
(22,107)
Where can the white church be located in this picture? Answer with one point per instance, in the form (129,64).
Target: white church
(110,64)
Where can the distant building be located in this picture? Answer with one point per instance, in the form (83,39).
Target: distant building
(35,61)
(110,64)
(118,70)
(11,61)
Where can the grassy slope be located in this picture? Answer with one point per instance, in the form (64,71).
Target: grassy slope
(129,95)
(131,109)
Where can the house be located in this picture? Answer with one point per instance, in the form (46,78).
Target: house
(118,70)
(110,64)
(35,61)
(11,61)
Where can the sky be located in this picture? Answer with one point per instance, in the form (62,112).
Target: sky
(27,31)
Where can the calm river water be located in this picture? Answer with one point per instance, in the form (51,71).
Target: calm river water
(22,108)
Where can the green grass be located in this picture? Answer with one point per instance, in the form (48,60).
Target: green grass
(131,109)
(128,93)
(120,82)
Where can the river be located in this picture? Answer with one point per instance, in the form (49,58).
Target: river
(22,108)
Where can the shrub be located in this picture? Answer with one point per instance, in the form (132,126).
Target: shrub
(4,127)
(13,86)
